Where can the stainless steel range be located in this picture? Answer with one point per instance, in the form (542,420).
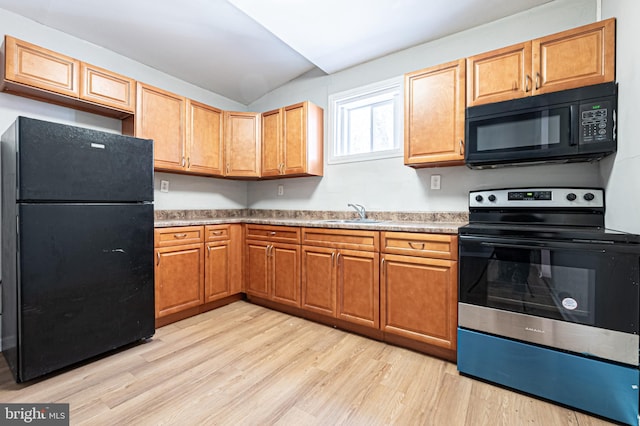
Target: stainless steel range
(549,299)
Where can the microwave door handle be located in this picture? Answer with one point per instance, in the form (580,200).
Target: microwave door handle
(575,122)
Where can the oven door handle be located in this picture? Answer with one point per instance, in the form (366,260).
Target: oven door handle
(552,246)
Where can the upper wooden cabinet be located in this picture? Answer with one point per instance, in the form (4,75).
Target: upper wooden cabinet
(292,140)
(578,57)
(205,144)
(434,115)
(40,73)
(107,88)
(160,115)
(242,144)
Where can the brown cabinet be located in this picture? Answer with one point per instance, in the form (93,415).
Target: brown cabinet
(179,269)
(37,72)
(242,144)
(292,141)
(272,257)
(223,261)
(578,57)
(107,88)
(434,115)
(340,274)
(205,143)
(419,287)
(160,115)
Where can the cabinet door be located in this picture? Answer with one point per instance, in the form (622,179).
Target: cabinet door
(285,275)
(499,75)
(242,141)
(271,143)
(257,268)
(107,88)
(205,142)
(434,115)
(358,287)
(38,67)
(303,140)
(160,116)
(216,284)
(318,280)
(179,278)
(579,57)
(419,299)
(294,158)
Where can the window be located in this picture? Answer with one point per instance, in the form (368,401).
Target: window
(366,123)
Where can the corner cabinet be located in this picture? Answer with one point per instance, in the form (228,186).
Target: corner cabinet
(242,144)
(434,115)
(292,141)
(419,287)
(578,57)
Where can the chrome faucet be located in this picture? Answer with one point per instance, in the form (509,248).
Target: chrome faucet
(360,209)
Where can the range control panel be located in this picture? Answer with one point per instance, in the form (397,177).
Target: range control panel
(538,197)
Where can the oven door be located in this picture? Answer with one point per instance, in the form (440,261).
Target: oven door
(578,296)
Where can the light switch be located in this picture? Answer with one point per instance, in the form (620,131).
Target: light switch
(280,190)
(164,186)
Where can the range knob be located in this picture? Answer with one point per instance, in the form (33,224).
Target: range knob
(589,196)
(492,198)
(571,196)
(479,198)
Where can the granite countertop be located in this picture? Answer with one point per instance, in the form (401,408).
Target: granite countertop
(430,222)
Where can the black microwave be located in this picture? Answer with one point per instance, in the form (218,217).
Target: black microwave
(567,126)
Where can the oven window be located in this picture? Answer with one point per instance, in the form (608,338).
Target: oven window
(525,281)
(586,286)
(533,130)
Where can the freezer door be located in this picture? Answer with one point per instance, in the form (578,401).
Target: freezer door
(85,282)
(57,162)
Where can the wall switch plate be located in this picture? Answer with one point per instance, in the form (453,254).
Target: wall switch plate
(164,186)
(280,190)
(435,181)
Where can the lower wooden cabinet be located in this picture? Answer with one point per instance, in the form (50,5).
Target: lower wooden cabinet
(419,287)
(190,272)
(340,276)
(273,267)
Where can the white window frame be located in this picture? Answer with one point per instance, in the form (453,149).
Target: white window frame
(336,102)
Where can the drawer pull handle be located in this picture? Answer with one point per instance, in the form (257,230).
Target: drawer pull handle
(179,236)
(217,232)
(416,246)
(272,233)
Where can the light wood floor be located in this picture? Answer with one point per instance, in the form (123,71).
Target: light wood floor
(247,365)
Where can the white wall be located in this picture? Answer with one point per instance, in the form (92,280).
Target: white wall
(186,192)
(621,174)
(388,184)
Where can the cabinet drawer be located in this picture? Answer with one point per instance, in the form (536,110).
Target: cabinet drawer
(439,246)
(350,239)
(216,232)
(284,234)
(179,235)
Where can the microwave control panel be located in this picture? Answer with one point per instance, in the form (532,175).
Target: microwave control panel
(597,121)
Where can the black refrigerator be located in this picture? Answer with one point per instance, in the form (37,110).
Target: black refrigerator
(77,244)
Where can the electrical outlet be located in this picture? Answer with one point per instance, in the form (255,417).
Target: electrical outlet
(280,190)
(164,186)
(435,181)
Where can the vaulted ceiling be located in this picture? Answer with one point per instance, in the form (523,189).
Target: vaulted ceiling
(243,49)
